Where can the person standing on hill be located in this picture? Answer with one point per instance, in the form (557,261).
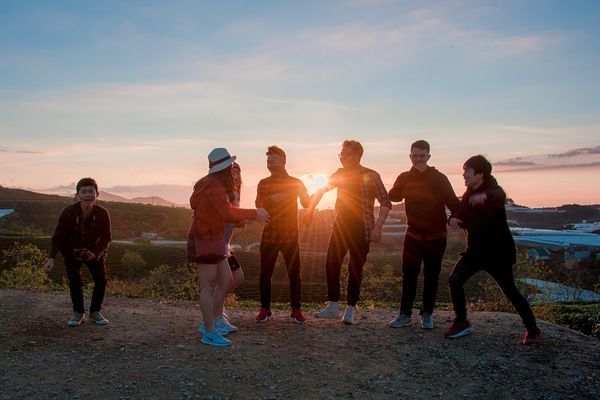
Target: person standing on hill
(490,247)
(354,227)
(206,248)
(426,193)
(237,274)
(279,194)
(82,236)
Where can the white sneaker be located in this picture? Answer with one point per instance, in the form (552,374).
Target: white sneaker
(426,321)
(401,321)
(224,325)
(98,318)
(331,311)
(349,315)
(214,338)
(76,319)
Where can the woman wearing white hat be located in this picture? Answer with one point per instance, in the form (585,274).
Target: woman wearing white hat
(206,248)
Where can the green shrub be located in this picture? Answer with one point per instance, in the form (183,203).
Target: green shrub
(381,284)
(133,264)
(24,277)
(178,282)
(584,318)
(22,255)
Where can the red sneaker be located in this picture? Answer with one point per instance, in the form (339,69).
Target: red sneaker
(297,316)
(458,329)
(263,315)
(532,336)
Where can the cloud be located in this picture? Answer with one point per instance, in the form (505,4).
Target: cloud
(515,162)
(21,151)
(576,152)
(580,158)
(548,167)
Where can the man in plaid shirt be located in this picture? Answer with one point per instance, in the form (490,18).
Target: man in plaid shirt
(354,227)
(279,194)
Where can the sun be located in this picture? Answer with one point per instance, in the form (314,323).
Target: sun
(313,181)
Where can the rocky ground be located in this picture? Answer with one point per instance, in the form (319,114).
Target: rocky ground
(152,350)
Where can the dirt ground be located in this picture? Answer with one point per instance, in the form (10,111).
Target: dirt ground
(152,350)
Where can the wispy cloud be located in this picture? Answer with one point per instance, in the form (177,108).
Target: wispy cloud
(21,152)
(580,158)
(576,152)
(547,167)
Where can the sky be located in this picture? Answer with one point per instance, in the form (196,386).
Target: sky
(136,93)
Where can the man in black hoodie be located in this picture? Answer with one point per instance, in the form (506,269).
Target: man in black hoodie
(490,247)
(426,193)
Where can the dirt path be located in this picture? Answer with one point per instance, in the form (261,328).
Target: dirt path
(151,350)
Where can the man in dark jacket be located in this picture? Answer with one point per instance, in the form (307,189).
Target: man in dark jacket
(426,193)
(490,247)
(82,236)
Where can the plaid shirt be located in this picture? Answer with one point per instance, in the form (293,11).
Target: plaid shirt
(357,190)
(279,195)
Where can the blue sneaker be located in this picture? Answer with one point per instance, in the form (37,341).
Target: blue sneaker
(222,330)
(214,338)
(223,325)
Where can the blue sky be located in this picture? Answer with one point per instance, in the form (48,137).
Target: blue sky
(137,93)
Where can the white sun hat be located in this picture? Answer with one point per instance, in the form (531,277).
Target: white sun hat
(219,159)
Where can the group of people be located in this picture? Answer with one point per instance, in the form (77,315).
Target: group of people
(83,233)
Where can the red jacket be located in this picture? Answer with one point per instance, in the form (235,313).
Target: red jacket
(212,209)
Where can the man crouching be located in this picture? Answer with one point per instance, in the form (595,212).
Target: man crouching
(82,236)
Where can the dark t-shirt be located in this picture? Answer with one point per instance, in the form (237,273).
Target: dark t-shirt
(279,195)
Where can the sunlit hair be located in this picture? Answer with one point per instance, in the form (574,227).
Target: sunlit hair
(239,182)
(87,182)
(421,144)
(224,176)
(276,151)
(480,165)
(354,146)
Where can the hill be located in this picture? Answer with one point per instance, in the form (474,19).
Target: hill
(151,350)
(37,213)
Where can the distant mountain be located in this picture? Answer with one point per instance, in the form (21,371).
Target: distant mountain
(152,200)
(21,194)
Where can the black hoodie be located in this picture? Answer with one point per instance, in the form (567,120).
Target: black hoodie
(425,194)
(489,240)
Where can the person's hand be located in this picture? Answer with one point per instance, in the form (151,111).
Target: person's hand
(455,223)
(307,218)
(376,234)
(262,215)
(89,255)
(47,267)
(477,199)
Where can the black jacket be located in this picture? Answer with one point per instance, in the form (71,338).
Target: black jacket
(74,232)
(489,240)
(425,194)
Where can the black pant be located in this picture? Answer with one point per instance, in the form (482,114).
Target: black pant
(415,252)
(98,271)
(268,257)
(346,238)
(502,274)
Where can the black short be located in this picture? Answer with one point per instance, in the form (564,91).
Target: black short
(234,264)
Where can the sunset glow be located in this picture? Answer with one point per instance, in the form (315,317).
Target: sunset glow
(137,94)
